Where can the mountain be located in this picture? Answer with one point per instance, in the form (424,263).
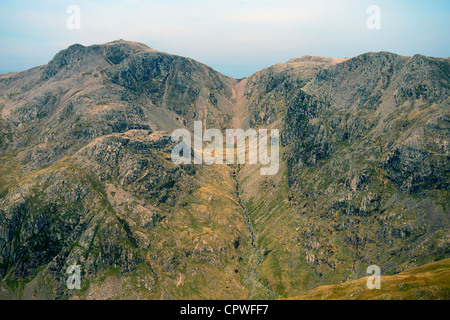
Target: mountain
(366,174)
(86,176)
(87,92)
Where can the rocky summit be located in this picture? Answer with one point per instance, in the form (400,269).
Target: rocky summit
(87,180)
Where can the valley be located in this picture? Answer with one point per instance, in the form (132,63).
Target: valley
(86,177)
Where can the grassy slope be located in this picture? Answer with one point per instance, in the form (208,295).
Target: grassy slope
(430,281)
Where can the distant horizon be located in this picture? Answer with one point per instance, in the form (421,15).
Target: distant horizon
(236,37)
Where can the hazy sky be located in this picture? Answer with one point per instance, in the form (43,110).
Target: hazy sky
(235,37)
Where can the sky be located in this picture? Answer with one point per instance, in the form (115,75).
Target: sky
(235,37)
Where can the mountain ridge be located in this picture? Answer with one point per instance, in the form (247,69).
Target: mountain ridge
(86,176)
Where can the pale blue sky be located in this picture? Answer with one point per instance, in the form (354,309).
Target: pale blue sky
(235,37)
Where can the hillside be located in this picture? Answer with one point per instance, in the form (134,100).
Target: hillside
(428,282)
(86,176)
